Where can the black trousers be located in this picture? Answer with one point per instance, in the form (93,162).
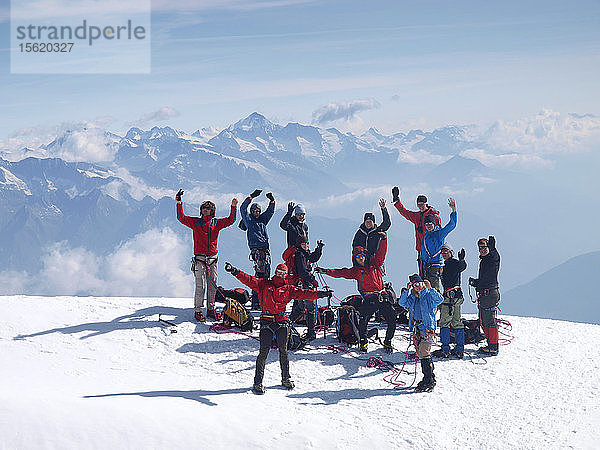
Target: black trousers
(370,304)
(269,329)
(488,307)
(262,268)
(298,308)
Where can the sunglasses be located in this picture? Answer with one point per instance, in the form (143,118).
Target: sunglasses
(361,255)
(481,247)
(280,274)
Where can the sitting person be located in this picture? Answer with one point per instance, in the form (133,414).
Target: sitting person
(372,290)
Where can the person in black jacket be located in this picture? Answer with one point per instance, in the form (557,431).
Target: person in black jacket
(368,234)
(305,279)
(294,223)
(488,295)
(453,299)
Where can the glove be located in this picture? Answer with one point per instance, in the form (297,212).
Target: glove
(472,282)
(256,193)
(461,254)
(232,270)
(270,197)
(178,195)
(320,270)
(320,244)
(291,207)
(323,294)
(395,194)
(491,242)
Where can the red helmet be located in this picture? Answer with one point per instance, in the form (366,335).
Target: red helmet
(358,250)
(281,269)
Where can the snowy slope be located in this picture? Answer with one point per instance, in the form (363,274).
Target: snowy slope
(94,372)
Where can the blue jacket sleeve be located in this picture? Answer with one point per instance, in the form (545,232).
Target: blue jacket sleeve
(266,216)
(405,300)
(244,211)
(434,298)
(451,225)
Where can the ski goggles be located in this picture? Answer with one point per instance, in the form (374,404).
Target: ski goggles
(281,273)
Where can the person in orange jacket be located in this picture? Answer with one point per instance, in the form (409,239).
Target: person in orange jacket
(205,264)
(273,295)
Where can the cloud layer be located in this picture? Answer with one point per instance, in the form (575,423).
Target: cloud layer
(342,110)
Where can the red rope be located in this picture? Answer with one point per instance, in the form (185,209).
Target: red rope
(223,329)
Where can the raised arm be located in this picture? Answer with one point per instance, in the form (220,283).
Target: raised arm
(386,223)
(227,221)
(187,221)
(266,216)
(379,257)
(244,210)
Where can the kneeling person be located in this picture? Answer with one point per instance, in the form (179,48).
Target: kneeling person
(273,295)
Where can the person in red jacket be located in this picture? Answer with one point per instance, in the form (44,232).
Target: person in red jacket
(273,296)
(371,288)
(418,218)
(205,264)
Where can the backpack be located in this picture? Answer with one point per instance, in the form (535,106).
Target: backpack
(352,300)
(295,341)
(236,315)
(347,325)
(325,317)
(241,295)
(473,334)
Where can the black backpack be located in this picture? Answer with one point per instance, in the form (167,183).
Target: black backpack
(295,341)
(352,300)
(473,334)
(325,317)
(347,325)
(239,294)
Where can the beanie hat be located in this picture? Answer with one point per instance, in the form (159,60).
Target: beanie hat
(282,268)
(358,250)
(415,278)
(429,219)
(447,247)
(254,207)
(299,209)
(483,242)
(421,199)
(369,216)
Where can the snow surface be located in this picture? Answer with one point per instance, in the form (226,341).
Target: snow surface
(102,372)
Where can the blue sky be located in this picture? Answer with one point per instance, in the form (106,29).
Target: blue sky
(417,64)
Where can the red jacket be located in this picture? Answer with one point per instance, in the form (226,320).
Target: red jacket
(369,276)
(206,233)
(418,217)
(273,295)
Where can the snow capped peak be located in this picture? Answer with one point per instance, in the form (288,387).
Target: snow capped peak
(158,132)
(254,121)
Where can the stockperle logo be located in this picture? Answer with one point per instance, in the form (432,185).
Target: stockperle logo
(80,36)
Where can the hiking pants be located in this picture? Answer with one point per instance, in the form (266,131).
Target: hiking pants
(205,273)
(450,312)
(262,268)
(487,301)
(268,330)
(423,342)
(298,308)
(433,274)
(370,304)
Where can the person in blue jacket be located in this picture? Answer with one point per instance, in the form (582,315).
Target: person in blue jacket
(255,225)
(422,300)
(431,249)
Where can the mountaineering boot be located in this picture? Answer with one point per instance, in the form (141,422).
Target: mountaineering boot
(439,353)
(489,350)
(428,381)
(387,346)
(213,314)
(199,316)
(445,339)
(457,353)
(288,384)
(459,338)
(258,389)
(364,347)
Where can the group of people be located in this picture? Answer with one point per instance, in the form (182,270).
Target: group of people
(437,285)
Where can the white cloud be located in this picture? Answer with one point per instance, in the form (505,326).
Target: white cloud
(148,264)
(508,160)
(421,157)
(342,110)
(370,192)
(162,114)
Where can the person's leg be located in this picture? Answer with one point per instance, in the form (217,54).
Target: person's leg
(444,323)
(213,268)
(310,319)
(200,276)
(488,308)
(265,338)
(389,313)
(457,325)
(297,310)
(366,310)
(282,336)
